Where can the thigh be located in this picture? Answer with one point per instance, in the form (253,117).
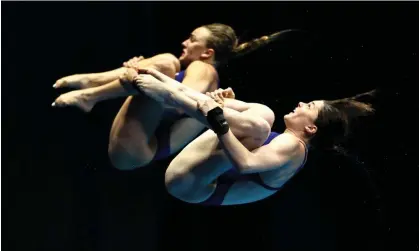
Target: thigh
(182,132)
(133,129)
(202,158)
(262,111)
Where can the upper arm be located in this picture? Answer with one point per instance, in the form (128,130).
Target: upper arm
(277,153)
(200,76)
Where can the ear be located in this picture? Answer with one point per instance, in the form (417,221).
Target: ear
(208,53)
(311,129)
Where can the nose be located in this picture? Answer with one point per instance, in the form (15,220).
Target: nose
(184,43)
(300,104)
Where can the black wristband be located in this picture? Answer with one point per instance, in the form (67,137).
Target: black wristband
(216,120)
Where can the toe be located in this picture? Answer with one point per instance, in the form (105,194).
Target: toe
(59,83)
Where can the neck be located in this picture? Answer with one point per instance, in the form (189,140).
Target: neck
(300,135)
(210,61)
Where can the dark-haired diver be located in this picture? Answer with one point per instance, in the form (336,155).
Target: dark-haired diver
(240,160)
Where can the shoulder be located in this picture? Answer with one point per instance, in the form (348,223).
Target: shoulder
(285,144)
(201,68)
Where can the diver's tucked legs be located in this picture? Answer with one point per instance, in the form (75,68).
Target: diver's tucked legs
(132,140)
(86,99)
(190,176)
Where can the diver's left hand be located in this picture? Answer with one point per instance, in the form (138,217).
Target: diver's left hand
(222,93)
(207,105)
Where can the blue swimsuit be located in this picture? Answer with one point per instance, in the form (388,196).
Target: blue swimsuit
(227,179)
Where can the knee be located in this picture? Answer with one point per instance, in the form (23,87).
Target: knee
(258,127)
(264,112)
(119,159)
(122,159)
(263,128)
(167,63)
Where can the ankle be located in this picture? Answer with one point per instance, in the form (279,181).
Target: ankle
(92,94)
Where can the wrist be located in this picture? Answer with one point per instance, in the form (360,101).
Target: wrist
(217,122)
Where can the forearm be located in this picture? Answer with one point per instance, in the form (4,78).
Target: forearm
(235,150)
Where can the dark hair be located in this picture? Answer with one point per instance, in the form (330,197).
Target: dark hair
(225,42)
(334,122)
(335,119)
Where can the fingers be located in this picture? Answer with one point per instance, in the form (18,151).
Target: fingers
(220,94)
(217,97)
(200,103)
(133,62)
(139,79)
(228,93)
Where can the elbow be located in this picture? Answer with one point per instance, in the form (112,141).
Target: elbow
(244,166)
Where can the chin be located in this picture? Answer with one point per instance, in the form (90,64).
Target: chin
(183,61)
(286,118)
(289,115)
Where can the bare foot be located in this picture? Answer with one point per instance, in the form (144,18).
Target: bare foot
(152,87)
(79,98)
(162,78)
(76,81)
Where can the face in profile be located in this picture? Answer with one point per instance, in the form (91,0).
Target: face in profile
(195,47)
(303,117)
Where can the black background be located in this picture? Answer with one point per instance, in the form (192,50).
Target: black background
(61,193)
